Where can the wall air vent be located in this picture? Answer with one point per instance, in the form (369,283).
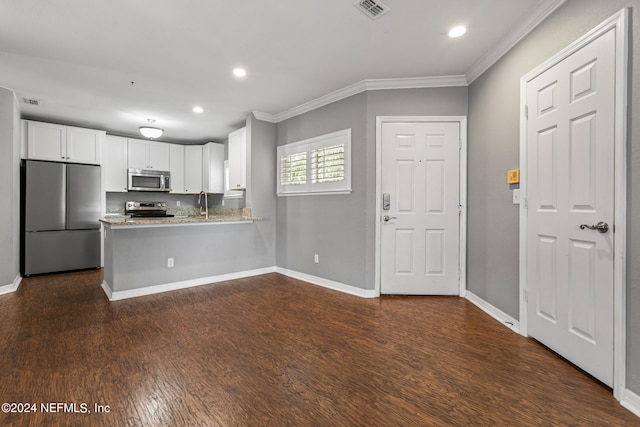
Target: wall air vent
(31,101)
(374,9)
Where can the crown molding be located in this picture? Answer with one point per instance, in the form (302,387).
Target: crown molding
(265,117)
(363,86)
(541,12)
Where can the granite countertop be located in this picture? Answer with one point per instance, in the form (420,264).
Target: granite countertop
(216,215)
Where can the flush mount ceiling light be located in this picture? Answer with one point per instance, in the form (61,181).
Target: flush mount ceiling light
(457,31)
(239,72)
(150,131)
(198,109)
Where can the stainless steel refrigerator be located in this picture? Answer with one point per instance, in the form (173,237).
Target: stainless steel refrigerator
(60,211)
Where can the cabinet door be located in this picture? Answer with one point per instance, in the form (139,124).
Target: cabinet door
(176,167)
(46,141)
(159,156)
(84,145)
(238,159)
(193,168)
(114,167)
(213,168)
(138,154)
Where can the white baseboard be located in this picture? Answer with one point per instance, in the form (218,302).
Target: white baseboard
(156,289)
(631,401)
(336,286)
(6,289)
(494,312)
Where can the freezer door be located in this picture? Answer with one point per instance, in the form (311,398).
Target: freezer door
(44,196)
(52,251)
(83,197)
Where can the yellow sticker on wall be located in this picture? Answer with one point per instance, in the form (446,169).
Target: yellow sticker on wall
(513,176)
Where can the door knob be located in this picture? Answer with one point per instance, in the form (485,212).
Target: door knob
(386,218)
(602,227)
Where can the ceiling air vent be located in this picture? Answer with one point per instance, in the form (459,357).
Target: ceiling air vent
(31,101)
(374,9)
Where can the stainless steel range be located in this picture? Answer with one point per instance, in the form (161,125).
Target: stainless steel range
(146,209)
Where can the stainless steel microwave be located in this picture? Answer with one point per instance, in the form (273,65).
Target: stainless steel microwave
(149,180)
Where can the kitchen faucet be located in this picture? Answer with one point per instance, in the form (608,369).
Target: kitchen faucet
(206,205)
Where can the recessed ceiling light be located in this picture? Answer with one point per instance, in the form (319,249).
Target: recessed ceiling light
(198,109)
(457,31)
(239,72)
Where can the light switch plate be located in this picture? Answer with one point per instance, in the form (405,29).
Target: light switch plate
(516,196)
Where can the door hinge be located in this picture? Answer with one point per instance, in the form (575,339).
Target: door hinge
(526,112)
(525,295)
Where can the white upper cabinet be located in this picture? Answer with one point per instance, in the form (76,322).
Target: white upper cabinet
(176,167)
(185,168)
(114,164)
(213,168)
(84,145)
(193,168)
(47,141)
(145,154)
(238,159)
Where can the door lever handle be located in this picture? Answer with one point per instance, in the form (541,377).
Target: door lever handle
(602,227)
(386,218)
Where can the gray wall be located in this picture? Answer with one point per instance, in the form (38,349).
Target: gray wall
(9,188)
(492,258)
(333,226)
(341,228)
(261,182)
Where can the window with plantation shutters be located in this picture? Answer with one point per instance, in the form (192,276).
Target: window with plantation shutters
(319,165)
(293,169)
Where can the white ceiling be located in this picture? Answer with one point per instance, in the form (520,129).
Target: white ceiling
(111,64)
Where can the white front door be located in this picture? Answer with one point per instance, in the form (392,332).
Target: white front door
(420,230)
(570,182)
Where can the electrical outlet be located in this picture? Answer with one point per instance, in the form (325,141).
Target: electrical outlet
(178,203)
(169,262)
(316,258)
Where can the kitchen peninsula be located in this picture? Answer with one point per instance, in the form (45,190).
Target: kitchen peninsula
(147,256)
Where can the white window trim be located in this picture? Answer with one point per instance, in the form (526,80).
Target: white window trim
(308,145)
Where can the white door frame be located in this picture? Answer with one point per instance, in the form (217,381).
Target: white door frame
(619,22)
(462,251)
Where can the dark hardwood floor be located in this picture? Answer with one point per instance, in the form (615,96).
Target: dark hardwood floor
(273,351)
